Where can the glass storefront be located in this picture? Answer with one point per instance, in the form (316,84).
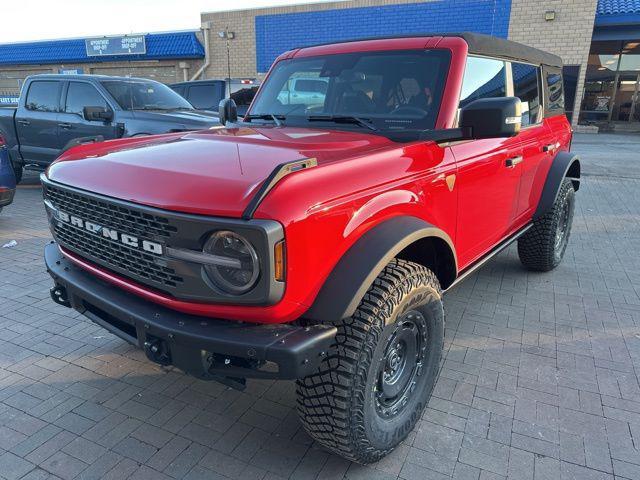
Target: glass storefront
(611,83)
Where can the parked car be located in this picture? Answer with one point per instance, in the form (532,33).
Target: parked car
(315,242)
(207,94)
(308,91)
(7,178)
(55,111)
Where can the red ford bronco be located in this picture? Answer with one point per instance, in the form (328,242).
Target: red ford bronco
(313,239)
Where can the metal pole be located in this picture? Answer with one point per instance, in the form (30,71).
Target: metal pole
(228,60)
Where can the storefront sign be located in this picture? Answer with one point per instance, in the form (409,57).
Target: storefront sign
(111,46)
(8,100)
(70,71)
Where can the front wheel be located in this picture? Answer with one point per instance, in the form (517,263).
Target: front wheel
(543,246)
(374,384)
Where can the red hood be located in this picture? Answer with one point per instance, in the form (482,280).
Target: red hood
(211,172)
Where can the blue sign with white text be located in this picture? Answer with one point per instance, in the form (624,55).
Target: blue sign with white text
(8,100)
(112,46)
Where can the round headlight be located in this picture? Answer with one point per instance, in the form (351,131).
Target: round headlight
(232,279)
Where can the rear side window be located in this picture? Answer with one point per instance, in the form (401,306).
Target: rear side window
(483,78)
(204,96)
(82,95)
(178,89)
(555,91)
(526,86)
(43,96)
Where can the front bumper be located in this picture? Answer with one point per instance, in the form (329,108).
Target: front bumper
(203,347)
(6,196)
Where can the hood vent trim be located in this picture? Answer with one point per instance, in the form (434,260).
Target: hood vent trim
(278,173)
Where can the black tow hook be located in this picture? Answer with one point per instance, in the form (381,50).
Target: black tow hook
(59,295)
(157,350)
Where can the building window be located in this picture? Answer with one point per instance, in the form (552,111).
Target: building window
(611,82)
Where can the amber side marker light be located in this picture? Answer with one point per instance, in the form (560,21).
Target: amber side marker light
(279,252)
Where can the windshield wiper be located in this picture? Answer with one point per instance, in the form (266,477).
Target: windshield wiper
(363,122)
(277,119)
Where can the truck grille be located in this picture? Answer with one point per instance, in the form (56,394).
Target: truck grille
(115,256)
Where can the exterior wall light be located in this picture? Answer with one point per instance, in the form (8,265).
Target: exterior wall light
(550,15)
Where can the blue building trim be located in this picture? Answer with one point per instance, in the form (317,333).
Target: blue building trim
(617,12)
(281,32)
(160,46)
(617,19)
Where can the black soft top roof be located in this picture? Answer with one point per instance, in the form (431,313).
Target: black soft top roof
(482,45)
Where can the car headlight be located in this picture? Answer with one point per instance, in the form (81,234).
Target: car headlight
(244,268)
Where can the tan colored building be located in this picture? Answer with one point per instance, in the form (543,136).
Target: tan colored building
(564,27)
(598,40)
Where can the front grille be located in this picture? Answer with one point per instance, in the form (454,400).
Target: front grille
(113,255)
(140,224)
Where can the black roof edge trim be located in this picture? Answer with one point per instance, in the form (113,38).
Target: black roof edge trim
(274,177)
(478,44)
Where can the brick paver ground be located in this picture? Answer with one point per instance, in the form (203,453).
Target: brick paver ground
(540,377)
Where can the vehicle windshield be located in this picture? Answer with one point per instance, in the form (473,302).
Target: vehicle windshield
(384,91)
(145,95)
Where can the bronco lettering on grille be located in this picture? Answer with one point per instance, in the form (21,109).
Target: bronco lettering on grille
(109,233)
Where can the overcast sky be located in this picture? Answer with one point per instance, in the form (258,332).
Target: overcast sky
(47,19)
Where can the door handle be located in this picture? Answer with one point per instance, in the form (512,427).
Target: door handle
(24,122)
(513,161)
(66,126)
(551,147)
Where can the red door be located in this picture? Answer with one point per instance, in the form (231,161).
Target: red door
(488,180)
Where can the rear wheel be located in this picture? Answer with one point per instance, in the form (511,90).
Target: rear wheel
(543,246)
(374,384)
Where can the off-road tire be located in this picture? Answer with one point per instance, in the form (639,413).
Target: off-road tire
(340,405)
(539,249)
(18,170)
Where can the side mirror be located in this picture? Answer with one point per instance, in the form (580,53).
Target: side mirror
(492,117)
(97,114)
(228,111)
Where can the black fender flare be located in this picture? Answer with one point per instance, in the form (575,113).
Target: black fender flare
(565,165)
(350,279)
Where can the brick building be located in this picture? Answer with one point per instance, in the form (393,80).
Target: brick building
(167,57)
(582,32)
(599,41)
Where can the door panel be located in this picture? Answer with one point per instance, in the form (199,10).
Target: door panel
(531,142)
(488,189)
(71,122)
(37,122)
(534,136)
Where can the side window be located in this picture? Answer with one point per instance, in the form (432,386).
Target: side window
(526,86)
(483,78)
(555,91)
(203,96)
(43,96)
(82,95)
(179,89)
